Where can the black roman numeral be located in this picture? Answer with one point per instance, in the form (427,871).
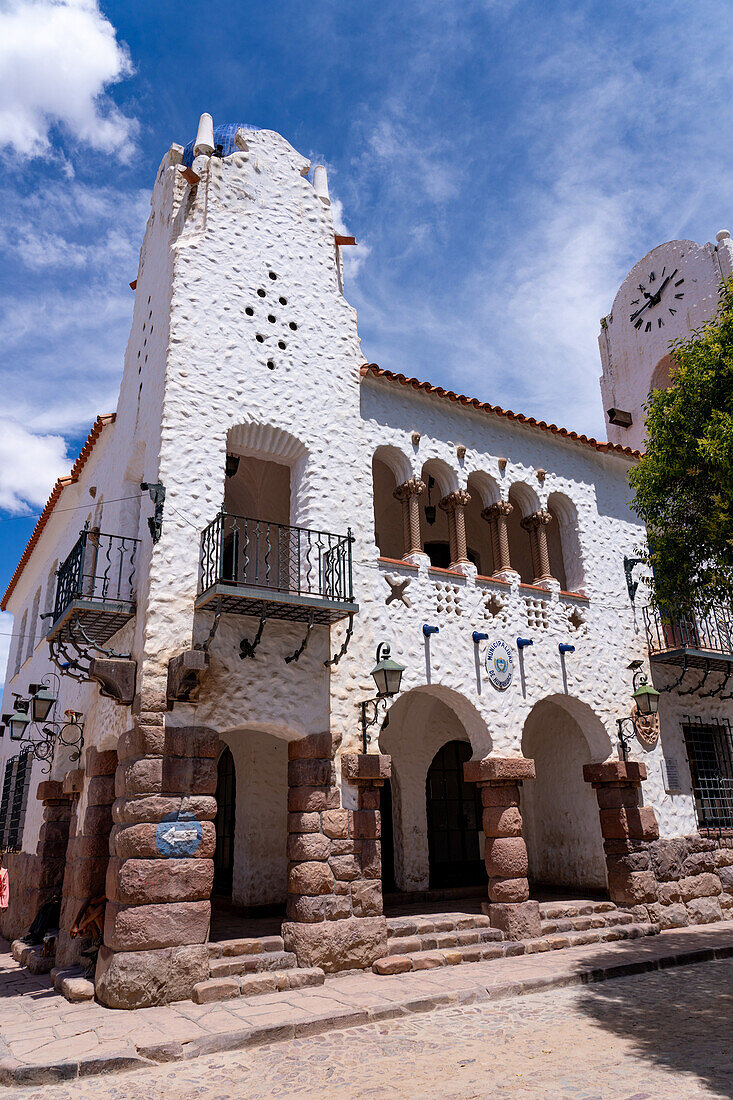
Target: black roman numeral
(648,327)
(679,282)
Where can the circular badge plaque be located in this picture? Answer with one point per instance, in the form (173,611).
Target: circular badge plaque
(499,665)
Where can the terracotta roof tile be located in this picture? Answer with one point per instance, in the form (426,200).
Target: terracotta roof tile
(371,369)
(58,488)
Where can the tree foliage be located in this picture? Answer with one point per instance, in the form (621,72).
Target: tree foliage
(684,483)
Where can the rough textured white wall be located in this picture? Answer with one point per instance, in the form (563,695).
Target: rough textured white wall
(630,353)
(260,858)
(560,818)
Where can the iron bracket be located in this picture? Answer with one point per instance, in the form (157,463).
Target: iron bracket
(680,678)
(717,690)
(301,648)
(696,687)
(247,648)
(344,645)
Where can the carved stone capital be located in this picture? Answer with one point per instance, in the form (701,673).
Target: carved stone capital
(501,508)
(537,519)
(411,488)
(460,498)
(115,676)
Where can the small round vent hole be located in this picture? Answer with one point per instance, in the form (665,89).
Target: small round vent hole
(261,293)
(260,338)
(249,311)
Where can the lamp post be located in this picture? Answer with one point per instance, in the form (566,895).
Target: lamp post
(647,703)
(387,675)
(33,723)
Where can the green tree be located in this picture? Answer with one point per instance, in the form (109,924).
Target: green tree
(684,483)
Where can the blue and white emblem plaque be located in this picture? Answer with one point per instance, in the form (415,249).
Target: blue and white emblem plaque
(499,665)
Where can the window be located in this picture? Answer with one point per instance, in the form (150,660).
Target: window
(33,623)
(14,799)
(710,756)
(19,643)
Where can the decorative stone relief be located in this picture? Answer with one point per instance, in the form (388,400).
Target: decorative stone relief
(398,585)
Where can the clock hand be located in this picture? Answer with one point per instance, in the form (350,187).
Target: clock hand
(647,303)
(658,295)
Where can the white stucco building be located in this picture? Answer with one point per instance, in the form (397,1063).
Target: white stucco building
(216,630)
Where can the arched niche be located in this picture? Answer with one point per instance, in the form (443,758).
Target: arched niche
(563,543)
(524,502)
(662,374)
(265,474)
(440,480)
(484,492)
(390,468)
(561,826)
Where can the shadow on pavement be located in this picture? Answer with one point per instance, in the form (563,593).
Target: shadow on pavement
(680,1017)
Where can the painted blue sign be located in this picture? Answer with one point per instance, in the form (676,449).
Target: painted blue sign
(178,835)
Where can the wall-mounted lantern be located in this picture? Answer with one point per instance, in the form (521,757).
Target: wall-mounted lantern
(647,704)
(430,512)
(387,675)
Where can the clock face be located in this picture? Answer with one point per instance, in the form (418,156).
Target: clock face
(657,299)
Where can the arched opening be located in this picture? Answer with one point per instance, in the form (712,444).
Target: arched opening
(385,809)
(421,723)
(560,819)
(524,502)
(226,803)
(484,492)
(455,839)
(563,544)
(434,532)
(662,374)
(388,527)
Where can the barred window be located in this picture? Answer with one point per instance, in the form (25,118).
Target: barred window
(14,800)
(710,756)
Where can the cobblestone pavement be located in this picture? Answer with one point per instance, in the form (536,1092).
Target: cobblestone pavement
(667,1034)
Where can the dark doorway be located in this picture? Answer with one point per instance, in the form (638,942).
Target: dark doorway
(226,804)
(385,808)
(454,820)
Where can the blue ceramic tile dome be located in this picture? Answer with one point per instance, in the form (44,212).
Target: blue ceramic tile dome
(223,135)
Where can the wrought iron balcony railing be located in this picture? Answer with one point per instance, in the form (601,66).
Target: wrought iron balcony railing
(253,567)
(96,585)
(695,640)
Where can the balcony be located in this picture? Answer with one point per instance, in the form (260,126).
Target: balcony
(693,641)
(252,567)
(95,590)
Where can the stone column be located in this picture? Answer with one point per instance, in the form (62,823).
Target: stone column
(368,772)
(53,839)
(536,527)
(408,495)
(497,515)
(161,869)
(505,852)
(334,908)
(454,505)
(88,849)
(627,829)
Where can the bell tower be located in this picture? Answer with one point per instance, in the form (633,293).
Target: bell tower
(671,292)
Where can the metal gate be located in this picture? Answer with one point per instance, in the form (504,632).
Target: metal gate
(226,806)
(454,820)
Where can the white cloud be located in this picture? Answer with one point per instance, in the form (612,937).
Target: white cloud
(57,58)
(29,465)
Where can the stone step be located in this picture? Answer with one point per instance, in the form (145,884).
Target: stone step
(231,965)
(438,922)
(432,941)
(582,924)
(559,910)
(401,962)
(249,946)
(226,987)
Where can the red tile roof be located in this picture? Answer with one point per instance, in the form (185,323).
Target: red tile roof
(371,369)
(58,488)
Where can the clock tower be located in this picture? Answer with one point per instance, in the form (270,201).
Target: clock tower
(666,296)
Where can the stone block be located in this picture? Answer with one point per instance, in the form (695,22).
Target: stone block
(348,847)
(95,846)
(724,857)
(354,943)
(508,889)
(167,774)
(139,841)
(357,766)
(311,773)
(502,821)
(306,910)
(699,886)
(338,907)
(310,879)
(499,768)
(427,960)
(335,823)
(345,868)
(698,863)
(369,797)
(631,861)
(308,846)
(392,964)
(668,892)
(612,798)
(629,771)
(310,799)
(669,916)
(151,927)
(220,989)
(366,898)
(366,823)
(725,874)
(74,781)
(506,857)
(704,910)
(667,858)
(305,977)
(632,887)
(50,789)
(133,811)
(151,881)
(101,790)
(141,979)
(306,823)
(371,858)
(317,746)
(507,794)
(98,819)
(517,921)
(697,843)
(636,822)
(100,763)
(252,985)
(77,989)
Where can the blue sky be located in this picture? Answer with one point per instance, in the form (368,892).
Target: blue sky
(502,163)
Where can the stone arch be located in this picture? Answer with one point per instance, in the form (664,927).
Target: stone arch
(662,374)
(563,543)
(420,722)
(440,480)
(267,470)
(524,502)
(396,460)
(559,811)
(390,468)
(484,492)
